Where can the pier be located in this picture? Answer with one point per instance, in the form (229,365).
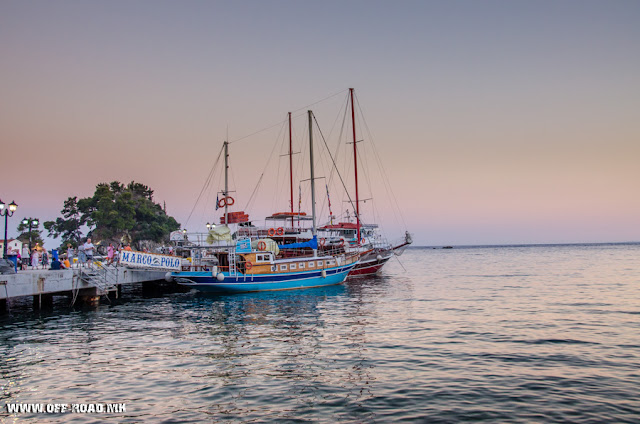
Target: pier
(85,285)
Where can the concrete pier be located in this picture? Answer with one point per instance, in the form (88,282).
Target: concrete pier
(44,284)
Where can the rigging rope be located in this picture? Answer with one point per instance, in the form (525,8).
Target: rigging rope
(286,120)
(384,173)
(273,149)
(333,161)
(206,185)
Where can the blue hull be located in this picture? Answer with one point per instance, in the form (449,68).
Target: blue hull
(242,283)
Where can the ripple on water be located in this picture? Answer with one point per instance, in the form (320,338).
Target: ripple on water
(492,335)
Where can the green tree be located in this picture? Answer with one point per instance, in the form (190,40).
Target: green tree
(116,211)
(35,235)
(68,226)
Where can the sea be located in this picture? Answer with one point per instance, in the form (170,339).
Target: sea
(495,334)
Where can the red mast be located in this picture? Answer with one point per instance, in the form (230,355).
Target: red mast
(355,162)
(291,168)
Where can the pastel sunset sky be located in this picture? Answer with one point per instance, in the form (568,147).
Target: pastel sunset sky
(497,122)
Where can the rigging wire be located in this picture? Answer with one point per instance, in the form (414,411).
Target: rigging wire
(333,161)
(205,186)
(384,173)
(280,122)
(334,168)
(332,173)
(273,149)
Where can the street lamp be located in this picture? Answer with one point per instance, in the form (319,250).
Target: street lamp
(7,213)
(210,226)
(30,222)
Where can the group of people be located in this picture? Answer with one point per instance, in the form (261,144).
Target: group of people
(36,257)
(83,255)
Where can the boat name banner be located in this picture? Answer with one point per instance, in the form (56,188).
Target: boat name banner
(149,260)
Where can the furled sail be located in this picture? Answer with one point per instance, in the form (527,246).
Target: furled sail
(219,233)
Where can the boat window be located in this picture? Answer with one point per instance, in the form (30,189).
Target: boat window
(283,267)
(293,266)
(319,263)
(312,264)
(259,258)
(330,263)
(301,265)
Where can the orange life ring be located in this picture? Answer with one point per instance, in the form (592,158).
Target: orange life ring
(362,240)
(226,201)
(248,265)
(280,231)
(271,232)
(322,241)
(262,246)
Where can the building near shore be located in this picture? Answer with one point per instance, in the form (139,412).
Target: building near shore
(13,246)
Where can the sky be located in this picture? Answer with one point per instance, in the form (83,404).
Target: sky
(496,122)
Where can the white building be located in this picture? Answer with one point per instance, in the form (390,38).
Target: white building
(13,246)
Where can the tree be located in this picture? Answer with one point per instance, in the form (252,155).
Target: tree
(67,227)
(35,236)
(113,212)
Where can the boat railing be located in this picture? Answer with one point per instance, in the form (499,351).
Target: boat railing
(270,232)
(202,267)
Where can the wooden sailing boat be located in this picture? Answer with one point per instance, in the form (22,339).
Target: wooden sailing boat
(341,237)
(252,265)
(358,237)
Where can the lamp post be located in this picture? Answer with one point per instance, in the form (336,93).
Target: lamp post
(30,222)
(210,226)
(7,213)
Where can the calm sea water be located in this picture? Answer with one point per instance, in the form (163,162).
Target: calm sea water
(504,334)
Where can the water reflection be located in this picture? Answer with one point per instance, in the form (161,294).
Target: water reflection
(301,349)
(496,335)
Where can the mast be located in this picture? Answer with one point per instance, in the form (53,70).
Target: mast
(355,162)
(226,181)
(291,168)
(313,186)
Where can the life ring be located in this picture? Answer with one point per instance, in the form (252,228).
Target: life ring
(262,246)
(322,241)
(226,201)
(362,240)
(280,231)
(271,232)
(248,265)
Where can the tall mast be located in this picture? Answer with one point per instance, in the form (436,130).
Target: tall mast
(313,182)
(355,162)
(226,180)
(291,168)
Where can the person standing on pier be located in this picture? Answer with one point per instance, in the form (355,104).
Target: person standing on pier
(88,251)
(82,258)
(26,257)
(35,257)
(70,253)
(110,251)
